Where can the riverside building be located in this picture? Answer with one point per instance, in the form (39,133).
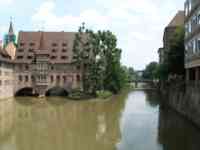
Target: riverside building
(169,31)
(44,63)
(192,39)
(40,63)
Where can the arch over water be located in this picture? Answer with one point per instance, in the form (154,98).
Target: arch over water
(26,91)
(56,91)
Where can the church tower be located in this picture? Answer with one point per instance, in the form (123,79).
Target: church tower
(10,37)
(9,42)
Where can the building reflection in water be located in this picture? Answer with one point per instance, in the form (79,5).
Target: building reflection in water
(72,125)
(177,133)
(7,119)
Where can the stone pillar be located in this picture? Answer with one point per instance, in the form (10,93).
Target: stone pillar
(187,75)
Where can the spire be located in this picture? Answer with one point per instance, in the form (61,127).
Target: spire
(11,31)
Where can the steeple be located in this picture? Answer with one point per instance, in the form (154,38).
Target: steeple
(11,31)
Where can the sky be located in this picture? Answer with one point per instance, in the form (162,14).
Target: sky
(138,24)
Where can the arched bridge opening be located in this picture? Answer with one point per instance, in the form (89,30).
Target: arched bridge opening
(27,91)
(57,91)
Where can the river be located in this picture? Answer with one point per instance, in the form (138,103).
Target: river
(133,121)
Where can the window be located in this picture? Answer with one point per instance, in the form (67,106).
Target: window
(32,44)
(32,78)
(52,79)
(64,50)
(58,78)
(30,57)
(20,78)
(64,57)
(78,67)
(64,79)
(52,68)
(22,44)
(54,50)
(26,78)
(54,44)
(64,44)
(20,57)
(53,57)
(78,78)
(27,67)
(198,44)
(21,50)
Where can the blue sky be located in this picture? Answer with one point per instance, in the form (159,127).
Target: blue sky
(138,24)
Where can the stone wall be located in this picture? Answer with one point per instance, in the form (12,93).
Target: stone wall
(185,99)
(6,80)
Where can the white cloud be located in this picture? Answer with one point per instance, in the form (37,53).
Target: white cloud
(138,24)
(6,2)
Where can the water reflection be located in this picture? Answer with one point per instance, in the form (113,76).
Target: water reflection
(177,133)
(136,122)
(46,125)
(139,124)
(146,125)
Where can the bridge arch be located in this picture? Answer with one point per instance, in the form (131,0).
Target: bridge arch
(25,91)
(57,91)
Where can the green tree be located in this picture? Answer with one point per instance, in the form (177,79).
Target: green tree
(150,71)
(97,55)
(174,64)
(176,53)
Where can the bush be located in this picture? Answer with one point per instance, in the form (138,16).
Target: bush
(104,94)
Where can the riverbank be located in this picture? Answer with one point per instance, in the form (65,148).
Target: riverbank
(184,98)
(78,95)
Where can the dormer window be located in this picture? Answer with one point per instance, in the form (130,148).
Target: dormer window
(32,44)
(53,57)
(54,44)
(64,50)
(22,44)
(54,50)
(64,44)
(64,57)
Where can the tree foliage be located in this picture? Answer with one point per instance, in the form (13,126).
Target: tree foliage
(98,57)
(174,64)
(150,71)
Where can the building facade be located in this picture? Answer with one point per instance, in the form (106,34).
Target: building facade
(169,31)
(6,75)
(44,60)
(192,39)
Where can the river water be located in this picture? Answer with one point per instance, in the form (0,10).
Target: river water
(133,121)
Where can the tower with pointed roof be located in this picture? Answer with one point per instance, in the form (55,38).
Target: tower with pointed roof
(10,37)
